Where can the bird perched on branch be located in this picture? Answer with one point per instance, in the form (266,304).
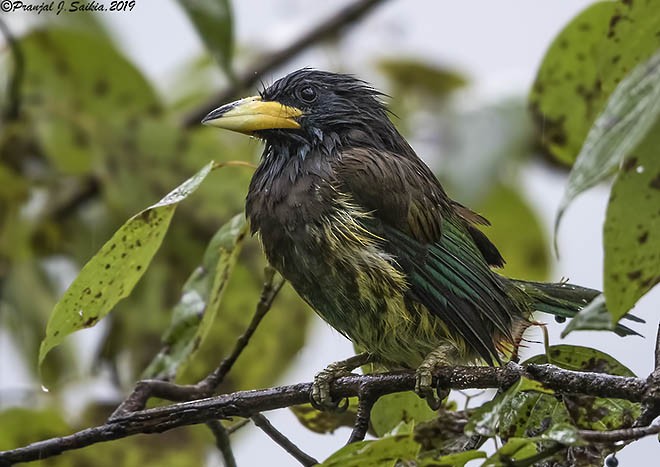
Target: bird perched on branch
(365,233)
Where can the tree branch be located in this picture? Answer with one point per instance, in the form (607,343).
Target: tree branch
(272,432)
(625,434)
(248,403)
(146,389)
(332,25)
(221,435)
(651,406)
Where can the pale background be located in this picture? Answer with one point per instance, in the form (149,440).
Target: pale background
(499,46)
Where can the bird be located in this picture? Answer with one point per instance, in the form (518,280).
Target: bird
(360,226)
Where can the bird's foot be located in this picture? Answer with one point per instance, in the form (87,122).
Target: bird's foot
(320,396)
(424,377)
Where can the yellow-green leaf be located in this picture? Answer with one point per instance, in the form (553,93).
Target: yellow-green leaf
(631,234)
(200,300)
(392,409)
(628,120)
(326,421)
(583,65)
(384,452)
(213,21)
(113,272)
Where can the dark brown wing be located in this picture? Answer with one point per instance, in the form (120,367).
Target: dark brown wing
(435,240)
(405,194)
(402,192)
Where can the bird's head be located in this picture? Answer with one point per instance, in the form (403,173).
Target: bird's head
(307,106)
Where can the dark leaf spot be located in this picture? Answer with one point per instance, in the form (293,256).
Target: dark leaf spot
(655,183)
(634,275)
(629,164)
(643,238)
(91,321)
(101,87)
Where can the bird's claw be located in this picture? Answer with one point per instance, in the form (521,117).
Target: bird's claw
(424,387)
(320,396)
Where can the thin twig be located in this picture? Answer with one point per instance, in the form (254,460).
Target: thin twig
(146,389)
(343,18)
(237,426)
(651,405)
(269,291)
(15,81)
(625,434)
(222,442)
(277,436)
(247,403)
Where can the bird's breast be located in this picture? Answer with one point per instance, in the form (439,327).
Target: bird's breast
(317,238)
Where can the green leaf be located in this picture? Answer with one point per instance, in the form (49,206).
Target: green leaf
(414,75)
(527,410)
(593,317)
(631,112)
(631,234)
(79,91)
(515,452)
(578,358)
(583,65)
(200,300)
(17,431)
(526,250)
(326,421)
(592,413)
(214,24)
(458,459)
(113,272)
(392,409)
(384,452)
(524,410)
(444,434)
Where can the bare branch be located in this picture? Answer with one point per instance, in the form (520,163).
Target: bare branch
(222,442)
(269,291)
(274,434)
(626,434)
(332,25)
(651,406)
(174,392)
(247,403)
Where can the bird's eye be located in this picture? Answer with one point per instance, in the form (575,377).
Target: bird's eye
(308,94)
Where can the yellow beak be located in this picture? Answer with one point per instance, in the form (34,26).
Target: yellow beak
(253,114)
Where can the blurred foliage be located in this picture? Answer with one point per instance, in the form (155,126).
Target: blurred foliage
(326,421)
(392,409)
(213,20)
(120,263)
(201,296)
(94,143)
(584,64)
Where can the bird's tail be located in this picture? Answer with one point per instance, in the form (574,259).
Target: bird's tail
(565,300)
